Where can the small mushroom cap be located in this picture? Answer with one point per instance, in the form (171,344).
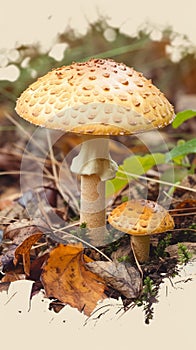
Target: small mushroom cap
(98,97)
(141,217)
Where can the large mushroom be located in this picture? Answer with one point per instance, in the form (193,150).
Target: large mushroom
(141,219)
(95,99)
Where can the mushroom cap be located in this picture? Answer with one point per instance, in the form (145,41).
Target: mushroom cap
(141,217)
(98,97)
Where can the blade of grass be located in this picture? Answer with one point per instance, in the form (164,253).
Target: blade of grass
(56,177)
(119,50)
(156,180)
(25,132)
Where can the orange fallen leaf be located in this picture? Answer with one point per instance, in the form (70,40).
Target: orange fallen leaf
(65,277)
(24,250)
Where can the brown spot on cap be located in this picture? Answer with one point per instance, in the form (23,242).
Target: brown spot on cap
(92,77)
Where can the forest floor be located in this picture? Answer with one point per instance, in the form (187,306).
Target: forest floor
(162,298)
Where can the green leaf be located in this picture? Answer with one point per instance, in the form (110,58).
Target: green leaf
(136,165)
(116,184)
(141,164)
(182,150)
(181,117)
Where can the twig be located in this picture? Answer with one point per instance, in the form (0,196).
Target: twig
(56,179)
(31,156)
(184,214)
(27,134)
(62,230)
(136,260)
(155,180)
(58,239)
(182,209)
(183,229)
(22,172)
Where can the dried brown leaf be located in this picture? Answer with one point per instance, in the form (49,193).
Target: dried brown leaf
(66,278)
(6,257)
(121,276)
(36,266)
(10,213)
(18,231)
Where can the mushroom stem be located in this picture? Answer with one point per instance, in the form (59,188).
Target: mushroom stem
(141,246)
(95,166)
(93,207)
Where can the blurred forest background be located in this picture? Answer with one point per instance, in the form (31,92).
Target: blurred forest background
(168,58)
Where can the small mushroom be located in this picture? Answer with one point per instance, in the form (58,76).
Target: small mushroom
(140,219)
(95,99)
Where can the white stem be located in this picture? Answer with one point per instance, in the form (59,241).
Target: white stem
(94,158)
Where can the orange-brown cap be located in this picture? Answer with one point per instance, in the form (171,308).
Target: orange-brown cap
(141,217)
(98,97)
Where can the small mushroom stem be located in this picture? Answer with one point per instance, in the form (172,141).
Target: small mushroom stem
(141,246)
